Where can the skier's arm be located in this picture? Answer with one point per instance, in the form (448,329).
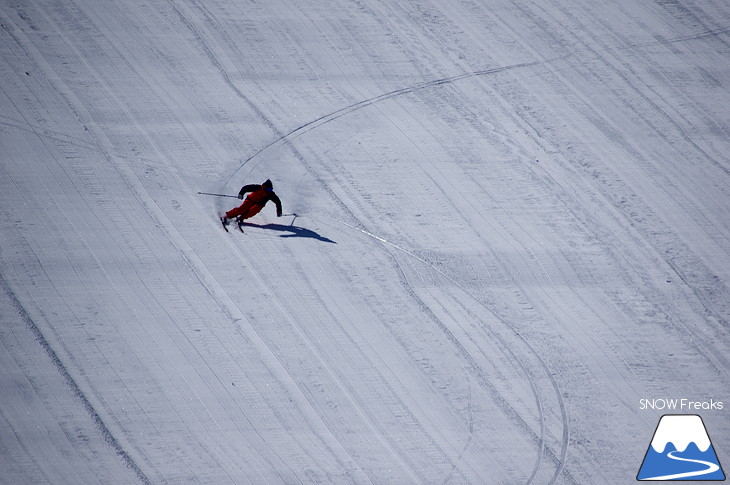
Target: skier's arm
(247,188)
(277,201)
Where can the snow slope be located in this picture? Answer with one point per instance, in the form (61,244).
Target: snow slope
(512,224)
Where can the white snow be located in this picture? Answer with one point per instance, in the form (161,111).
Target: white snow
(512,224)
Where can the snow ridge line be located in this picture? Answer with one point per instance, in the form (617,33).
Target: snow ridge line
(207,279)
(310,125)
(197,266)
(217,61)
(413,474)
(566,428)
(5,287)
(70,381)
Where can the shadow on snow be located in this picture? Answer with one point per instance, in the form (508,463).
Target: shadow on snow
(295,231)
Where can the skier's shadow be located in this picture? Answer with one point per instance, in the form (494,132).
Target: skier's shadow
(295,231)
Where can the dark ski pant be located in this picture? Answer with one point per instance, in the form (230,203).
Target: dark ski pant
(245,210)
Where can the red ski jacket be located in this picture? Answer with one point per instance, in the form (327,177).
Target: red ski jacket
(260,195)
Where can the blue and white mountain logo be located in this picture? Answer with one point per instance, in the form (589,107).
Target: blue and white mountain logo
(680,450)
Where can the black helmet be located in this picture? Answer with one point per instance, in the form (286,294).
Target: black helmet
(268,185)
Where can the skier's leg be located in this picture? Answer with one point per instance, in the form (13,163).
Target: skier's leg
(239,211)
(251,211)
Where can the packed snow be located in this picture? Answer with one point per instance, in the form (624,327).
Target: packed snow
(505,225)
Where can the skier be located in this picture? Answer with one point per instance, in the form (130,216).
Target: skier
(256,200)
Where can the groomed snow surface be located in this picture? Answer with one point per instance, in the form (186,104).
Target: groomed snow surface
(512,224)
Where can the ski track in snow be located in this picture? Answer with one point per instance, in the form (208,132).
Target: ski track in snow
(367,103)
(491,264)
(538,398)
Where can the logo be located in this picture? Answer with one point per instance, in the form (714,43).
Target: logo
(680,450)
(680,404)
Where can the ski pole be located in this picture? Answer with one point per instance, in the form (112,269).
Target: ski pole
(218,195)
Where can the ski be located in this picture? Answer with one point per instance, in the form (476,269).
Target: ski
(239,223)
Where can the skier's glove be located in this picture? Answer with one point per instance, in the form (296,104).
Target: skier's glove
(240,196)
